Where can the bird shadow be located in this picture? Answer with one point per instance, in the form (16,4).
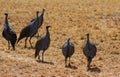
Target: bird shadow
(71,67)
(30,47)
(45,62)
(95,69)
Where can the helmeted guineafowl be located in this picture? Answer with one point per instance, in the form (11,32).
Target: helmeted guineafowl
(89,51)
(42,43)
(8,33)
(68,50)
(29,31)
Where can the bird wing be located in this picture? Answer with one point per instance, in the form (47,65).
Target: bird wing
(6,35)
(43,42)
(64,49)
(33,28)
(86,50)
(29,29)
(90,49)
(64,46)
(8,30)
(72,48)
(25,32)
(93,49)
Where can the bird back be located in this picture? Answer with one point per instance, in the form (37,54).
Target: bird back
(43,42)
(68,49)
(89,49)
(29,30)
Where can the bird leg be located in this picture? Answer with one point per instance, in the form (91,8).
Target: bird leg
(69,62)
(88,65)
(8,45)
(65,62)
(30,42)
(13,45)
(38,57)
(25,42)
(43,56)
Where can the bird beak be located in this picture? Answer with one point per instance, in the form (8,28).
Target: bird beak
(68,38)
(49,26)
(86,33)
(43,9)
(37,11)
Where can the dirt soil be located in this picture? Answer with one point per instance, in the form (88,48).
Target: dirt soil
(69,19)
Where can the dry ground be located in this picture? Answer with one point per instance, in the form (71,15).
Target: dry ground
(68,18)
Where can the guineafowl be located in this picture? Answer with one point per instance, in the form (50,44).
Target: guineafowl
(8,33)
(40,18)
(29,31)
(89,51)
(42,43)
(68,50)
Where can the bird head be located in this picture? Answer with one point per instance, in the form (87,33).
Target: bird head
(37,12)
(43,10)
(68,39)
(48,26)
(87,34)
(6,14)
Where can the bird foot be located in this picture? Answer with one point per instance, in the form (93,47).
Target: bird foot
(32,47)
(69,65)
(38,58)
(89,69)
(8,48)
(42,61)
(25,46)
(13,49)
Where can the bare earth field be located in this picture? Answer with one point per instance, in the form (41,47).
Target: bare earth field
(68,18)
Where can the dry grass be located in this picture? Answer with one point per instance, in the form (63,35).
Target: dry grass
(73,18)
